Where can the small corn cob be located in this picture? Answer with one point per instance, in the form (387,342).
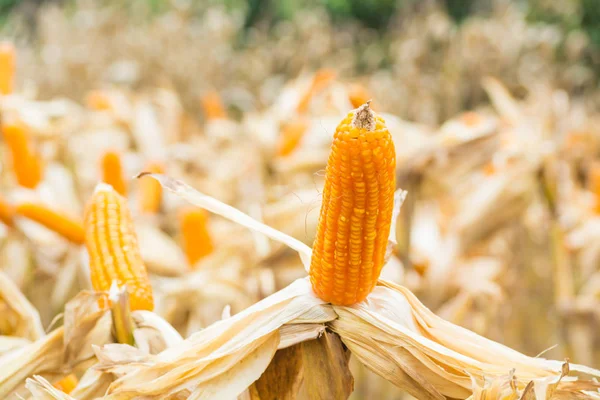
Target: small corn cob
(65,226)
(112,172)
(113,249)
(150,190)
(213,106)
(355,218)
(7,212)
(358,96)
(26,164)
(320,81)
(196,239)
(67,384)
(290,137)
(7,67)
(594,184)
(98,100)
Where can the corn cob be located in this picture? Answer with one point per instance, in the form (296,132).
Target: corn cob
(150,190)
(196,239)
(98,100)
(358,96)
(112,172)
(290,137)
(67,384)
(7,212)
(113,249)
(63,225)
(213,106)
(355,218)
(320,81)
(7,67)
(26,164)
(594,184)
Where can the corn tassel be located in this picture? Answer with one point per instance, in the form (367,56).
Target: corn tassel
(290,137)
(7,212)
(65,226)
(26,164)
(213,106)
(7,67)
(67,384)
(113,249)
(355,218)
(150,190)
(320,81)
(112,172)
(196,239)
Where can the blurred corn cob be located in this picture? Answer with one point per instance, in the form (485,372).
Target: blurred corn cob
(67,384)
(150,193)
(7,67)
(195,236)
(7,212)
(112,172)
(62,224)
(27,165)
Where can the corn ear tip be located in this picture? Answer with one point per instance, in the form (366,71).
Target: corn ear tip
(103,187)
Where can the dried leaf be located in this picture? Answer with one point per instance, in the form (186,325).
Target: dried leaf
(282,379)
(326,372)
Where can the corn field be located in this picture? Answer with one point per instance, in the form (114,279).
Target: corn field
(268,201)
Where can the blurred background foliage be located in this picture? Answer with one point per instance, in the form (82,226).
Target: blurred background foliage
(568,15)
(376,14)
(435,51)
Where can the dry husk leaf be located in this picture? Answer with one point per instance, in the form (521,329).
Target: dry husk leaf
(391,332)
(18,315)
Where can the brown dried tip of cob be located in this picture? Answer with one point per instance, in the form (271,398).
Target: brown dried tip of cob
(356,214)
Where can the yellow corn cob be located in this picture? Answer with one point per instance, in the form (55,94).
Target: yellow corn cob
(112,172)
(196,239)
(290,137)
(26,164)
(358,96)
(98,100)
(594,183)
(67,384)
(63,225)
(150,190)
(7,67)
(356,214)
(7,212)
(322,78)
(113,249)
(213,106)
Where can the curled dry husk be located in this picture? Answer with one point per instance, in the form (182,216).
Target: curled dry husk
(18,317)
(390,332)
(70,348)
